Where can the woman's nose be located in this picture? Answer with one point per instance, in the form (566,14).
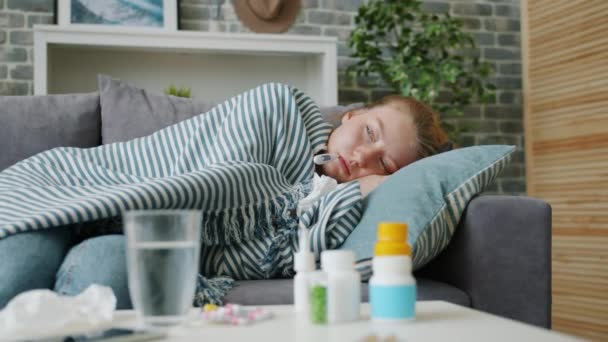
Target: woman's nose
(364,156)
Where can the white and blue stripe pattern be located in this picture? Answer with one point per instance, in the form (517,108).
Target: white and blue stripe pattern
(246,163)
(441,228)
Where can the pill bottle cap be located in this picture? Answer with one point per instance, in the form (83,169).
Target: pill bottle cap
(337,260)
(392,239)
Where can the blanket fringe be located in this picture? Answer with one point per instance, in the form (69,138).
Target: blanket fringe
(211,291)
(282,239)
(274,217)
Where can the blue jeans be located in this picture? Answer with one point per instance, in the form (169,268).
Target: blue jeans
(54,259)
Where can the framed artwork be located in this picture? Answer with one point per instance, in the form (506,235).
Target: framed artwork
(158,14)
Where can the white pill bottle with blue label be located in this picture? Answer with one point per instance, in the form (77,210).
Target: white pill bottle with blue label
(392,288)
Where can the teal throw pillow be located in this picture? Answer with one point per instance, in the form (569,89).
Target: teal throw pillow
(429,195)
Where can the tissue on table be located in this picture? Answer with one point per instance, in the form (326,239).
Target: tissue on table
(43,313)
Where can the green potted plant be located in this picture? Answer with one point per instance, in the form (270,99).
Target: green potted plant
(180,92)
(420,54)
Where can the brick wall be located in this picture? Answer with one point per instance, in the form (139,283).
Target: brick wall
(16,42)
(495,24)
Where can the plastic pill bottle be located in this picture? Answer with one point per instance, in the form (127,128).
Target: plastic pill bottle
(343,286)
(392,288)
(304,265)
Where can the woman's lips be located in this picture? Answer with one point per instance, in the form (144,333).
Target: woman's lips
(344,165)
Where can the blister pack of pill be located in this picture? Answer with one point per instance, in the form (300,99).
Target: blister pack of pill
(235,314)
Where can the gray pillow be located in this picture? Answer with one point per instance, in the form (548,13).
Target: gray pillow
(333,114)
(128,112)
(32,124)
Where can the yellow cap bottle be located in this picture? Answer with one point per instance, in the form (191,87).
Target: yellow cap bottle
(392,239)
(392,288)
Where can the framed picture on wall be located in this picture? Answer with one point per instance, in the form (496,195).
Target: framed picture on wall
(156,14)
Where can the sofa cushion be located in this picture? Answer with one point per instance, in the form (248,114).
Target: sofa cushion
(32,124)
(280,291)
(128,112)
(430,195)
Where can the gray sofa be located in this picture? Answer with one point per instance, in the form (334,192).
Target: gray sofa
(499,260)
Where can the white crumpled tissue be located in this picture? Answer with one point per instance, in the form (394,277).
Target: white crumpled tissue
(44,313)
(321,186)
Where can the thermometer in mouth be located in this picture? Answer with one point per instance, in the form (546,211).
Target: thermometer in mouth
(324,158)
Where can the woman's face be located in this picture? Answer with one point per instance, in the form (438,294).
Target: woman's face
(378,141)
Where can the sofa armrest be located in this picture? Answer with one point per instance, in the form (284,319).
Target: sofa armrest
(501,256)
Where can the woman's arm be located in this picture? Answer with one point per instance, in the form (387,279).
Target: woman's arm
(332,218)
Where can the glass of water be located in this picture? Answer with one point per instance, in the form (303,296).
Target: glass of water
(163,248)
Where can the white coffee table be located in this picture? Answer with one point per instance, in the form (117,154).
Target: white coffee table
(435,321)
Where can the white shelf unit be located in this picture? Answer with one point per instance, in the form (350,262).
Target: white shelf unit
(214,65)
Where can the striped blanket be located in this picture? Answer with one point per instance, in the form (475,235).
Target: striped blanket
(246,164)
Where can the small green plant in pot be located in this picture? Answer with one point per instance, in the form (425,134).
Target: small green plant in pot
(420,54)
(180,92)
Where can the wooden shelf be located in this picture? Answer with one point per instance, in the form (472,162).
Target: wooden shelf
(214,65)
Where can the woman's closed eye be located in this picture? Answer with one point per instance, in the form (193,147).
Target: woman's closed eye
(372,138)
(370,133)
(383,164)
